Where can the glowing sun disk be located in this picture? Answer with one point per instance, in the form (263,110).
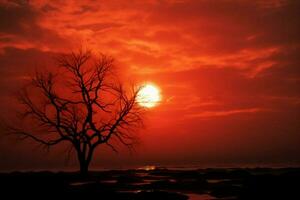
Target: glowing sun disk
(148,96)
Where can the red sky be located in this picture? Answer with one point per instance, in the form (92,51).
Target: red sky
(228,71)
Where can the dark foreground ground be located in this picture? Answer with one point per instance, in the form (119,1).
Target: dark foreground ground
(156,184)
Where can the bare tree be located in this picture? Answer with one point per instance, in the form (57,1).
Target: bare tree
(83,105)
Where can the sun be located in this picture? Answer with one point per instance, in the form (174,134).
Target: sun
(148,96)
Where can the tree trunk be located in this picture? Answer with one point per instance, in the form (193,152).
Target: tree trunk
(84,168)
(84,161)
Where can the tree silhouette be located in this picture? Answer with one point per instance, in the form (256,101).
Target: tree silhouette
(84,104)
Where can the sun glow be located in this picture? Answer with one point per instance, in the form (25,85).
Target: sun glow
(148,96)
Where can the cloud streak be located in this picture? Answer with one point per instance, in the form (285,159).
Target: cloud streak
(209,114)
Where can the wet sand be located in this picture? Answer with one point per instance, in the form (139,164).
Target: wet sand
(157,183)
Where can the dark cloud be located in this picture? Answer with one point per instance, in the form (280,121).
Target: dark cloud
(49,8)
(97,26)
(17,18)
(21,23)
(229,26)
(85,8)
